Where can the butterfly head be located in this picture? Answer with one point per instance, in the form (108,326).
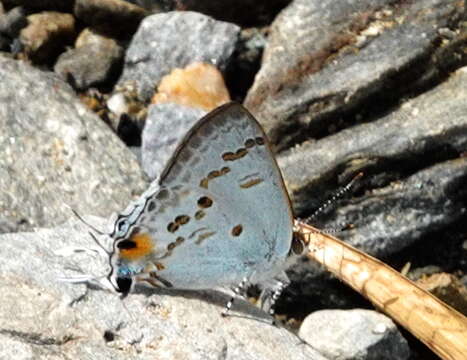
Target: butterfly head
(131,247)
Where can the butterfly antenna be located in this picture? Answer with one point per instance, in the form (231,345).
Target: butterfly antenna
(86,223)
(107,252)
(332,199)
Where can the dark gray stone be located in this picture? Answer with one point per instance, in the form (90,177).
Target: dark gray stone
(174,40)
(117,16)
(391,219)
(153,6)
(354,334)
(13,21)
(90,65)
(57,5)
(325,58)
(5,43)
(417,145)
(244,12)
(166,125)
(56,154)
(42,317)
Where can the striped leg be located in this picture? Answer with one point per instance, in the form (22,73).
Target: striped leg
(239,291)
(275,295)
(272,291)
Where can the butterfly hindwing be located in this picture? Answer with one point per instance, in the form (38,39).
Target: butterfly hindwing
(221,211)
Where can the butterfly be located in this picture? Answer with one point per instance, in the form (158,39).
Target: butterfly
(218,215)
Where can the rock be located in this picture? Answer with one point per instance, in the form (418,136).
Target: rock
(95,61)
(127,114)
(172,40)
(42,317)
(121,17)
(325,59)
(415,187)
(166,125)
(56,154)
(46,35)
(244,12)
(354,334)
(12,22)
(92,36)
(117,104)
(393,218)
(198,85)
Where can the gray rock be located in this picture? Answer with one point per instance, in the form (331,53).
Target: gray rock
(391,219)
(166,125)
(415,143)
(354,334)
(90,65)
(43,318)
(56,154)
(324,59)
(174,40)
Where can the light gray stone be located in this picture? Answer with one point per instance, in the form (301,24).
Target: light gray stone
(354,334)
(166,126)
(41,317)
(56,154)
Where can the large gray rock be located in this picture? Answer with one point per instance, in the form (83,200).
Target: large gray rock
(326,58)
(174,40)
(41,317)
(417,145)
(354,335)
(56,154)
(166,126)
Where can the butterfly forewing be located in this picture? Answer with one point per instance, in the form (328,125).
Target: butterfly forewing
(221,212)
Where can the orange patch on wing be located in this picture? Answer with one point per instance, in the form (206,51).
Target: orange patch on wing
(144,245)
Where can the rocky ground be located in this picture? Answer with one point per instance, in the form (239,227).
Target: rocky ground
(93,95)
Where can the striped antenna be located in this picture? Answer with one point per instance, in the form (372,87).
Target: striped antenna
(332,199)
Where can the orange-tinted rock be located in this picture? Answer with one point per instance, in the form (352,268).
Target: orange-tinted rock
(199,85)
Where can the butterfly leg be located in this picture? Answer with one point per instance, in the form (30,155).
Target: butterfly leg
(275,295)
(271,293)
(239,291)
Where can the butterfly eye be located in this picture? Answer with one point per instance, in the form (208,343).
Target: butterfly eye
(124,284)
